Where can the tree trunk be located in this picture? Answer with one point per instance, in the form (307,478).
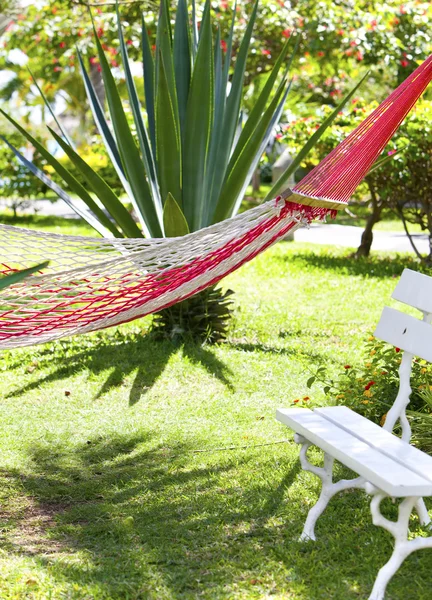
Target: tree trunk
(256,180)
(374,217)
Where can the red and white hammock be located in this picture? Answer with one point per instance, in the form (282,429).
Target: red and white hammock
(95,283)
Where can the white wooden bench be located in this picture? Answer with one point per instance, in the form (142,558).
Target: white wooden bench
(387,466)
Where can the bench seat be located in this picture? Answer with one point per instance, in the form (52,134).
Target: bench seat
(384,460)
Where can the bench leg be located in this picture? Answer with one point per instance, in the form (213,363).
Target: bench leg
(403,547)
(422,512)
(328,490)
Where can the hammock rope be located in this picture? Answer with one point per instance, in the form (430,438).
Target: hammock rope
(94,283)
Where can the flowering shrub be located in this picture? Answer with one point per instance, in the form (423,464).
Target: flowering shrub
(371,389)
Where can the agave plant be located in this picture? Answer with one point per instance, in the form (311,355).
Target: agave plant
(20,275)
(188,158)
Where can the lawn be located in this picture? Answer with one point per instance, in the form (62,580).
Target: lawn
(136,469)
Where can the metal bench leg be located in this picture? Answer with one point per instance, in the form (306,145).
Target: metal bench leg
(328,490)
(399,530)
(422,512)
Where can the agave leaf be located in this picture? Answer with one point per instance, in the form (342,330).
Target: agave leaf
(129,152)
(380,162)
(88,216)
(175,223)
(139,122)
(212,175)
(182,61)
(229,46)
(243,165)
(223,137)
(198,125)
(168,141)
(49,107)
(259,106)
(194,31)
(149,84)
(311,142)
(164,49)
(103,127)
(102,190)
(20,275)
(72,182)
(236,92)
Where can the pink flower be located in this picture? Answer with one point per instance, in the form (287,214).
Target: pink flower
(266,52)
(391,152)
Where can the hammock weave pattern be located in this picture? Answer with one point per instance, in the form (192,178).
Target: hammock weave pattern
(93,283)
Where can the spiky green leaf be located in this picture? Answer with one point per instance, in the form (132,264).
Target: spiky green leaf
(102,190)
(129,152)
(20,275)
(311,142)
(167,140)
(198,125)
(71,181)
(175,223)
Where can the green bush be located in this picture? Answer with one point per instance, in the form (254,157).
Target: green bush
(371,389)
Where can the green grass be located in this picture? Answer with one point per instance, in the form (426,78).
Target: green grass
(49,223)
(389,221)
(133,469)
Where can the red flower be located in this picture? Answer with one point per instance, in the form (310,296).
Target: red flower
(295,401)
(373,23)
(404,62)
(93,60)
(359,55)
(266,52)
(402,9)
(62,44)
(320,53)
(129,42)
(306,398)
(287,33)
(353,43)
(224,45)
(340,32)
(369,385)
(58,68)
(100,32)
(397,349)
(347,367)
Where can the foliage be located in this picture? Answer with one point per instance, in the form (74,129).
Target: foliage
(193,164)
(338,37)
(16,181)
(372,388)
(204,317)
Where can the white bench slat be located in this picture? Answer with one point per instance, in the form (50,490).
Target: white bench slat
(379,438)
(414,289)
(387,474)
(406,332)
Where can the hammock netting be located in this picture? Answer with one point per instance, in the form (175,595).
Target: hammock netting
(93,283)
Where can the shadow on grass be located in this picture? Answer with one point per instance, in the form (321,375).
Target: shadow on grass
(267,349)
(132,519)
(374,266)
(120,356)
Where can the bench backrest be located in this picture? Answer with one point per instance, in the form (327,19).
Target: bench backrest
(411,335)
(402,330)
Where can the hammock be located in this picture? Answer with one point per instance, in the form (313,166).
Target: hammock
(93,283)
